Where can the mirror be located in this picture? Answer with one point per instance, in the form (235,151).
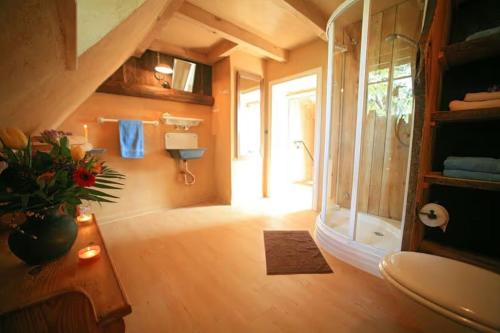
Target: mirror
(248,117)
(183,77)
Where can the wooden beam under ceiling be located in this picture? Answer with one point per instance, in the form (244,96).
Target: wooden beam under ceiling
(309,13)
(161,21)
(174,50)
(66,10)
(220,50)
(232,32)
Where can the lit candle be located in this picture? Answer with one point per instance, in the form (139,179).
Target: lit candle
(86,133)
(84,218)
(89,253)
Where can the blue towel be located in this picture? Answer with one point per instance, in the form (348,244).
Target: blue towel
(131,138)
(495,177)
(476,164)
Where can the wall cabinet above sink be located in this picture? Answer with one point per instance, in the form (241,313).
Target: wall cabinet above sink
(137,77)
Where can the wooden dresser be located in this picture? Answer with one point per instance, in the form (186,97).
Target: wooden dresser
(63,296)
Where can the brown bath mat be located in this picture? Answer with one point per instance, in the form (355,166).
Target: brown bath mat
(293,252)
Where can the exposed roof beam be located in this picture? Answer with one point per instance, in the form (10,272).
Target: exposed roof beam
(232,32)
(309,13)
(161,21)
(66,10)
(220,50)
(170,49)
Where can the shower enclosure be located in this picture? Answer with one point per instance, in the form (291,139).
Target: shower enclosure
(371,62)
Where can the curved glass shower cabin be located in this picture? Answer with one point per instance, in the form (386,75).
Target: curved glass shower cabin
(369,115)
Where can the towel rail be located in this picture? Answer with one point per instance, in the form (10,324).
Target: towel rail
(101,120)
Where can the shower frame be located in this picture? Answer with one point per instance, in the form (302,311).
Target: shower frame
(346,247)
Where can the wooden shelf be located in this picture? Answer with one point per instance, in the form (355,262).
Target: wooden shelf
(438,178)
(141,90)
(431,247)
(466,115)
(469,51)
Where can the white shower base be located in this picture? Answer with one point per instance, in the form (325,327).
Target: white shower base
(375,237)
(379,232)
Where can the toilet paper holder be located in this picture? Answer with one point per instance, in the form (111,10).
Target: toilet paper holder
(434,215)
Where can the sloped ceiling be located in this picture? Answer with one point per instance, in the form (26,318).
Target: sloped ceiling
(36,90)
(96,18)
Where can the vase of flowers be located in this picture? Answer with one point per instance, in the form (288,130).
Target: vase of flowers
(41,188)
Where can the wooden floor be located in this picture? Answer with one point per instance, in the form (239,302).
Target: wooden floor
(202,269)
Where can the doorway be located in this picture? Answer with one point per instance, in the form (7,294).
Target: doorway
(247,164)
(295,120)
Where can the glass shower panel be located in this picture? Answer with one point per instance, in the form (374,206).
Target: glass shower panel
(344,114)
(387,120)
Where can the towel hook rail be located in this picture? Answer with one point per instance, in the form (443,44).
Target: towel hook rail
(101,120)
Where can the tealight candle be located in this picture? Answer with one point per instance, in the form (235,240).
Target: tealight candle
(84,218)
(89,253)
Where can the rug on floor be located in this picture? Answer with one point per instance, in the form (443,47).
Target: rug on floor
(293,252)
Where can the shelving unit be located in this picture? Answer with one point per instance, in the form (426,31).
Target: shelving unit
(466,256)
(466,115)
(450,70)
(469,51)
(439,179)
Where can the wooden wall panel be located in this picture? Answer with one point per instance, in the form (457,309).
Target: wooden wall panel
(348,115)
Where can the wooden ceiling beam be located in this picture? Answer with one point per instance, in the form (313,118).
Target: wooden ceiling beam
(181,52)
(66,10)
(308,13)
(161,21)
(232,32)
(220,50)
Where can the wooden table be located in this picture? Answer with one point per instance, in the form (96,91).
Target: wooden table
(63,296)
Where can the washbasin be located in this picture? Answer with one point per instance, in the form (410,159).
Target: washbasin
(187,153)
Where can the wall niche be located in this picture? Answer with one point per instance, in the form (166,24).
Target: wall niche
(136,77)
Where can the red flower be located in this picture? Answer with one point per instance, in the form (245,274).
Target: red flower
(83,178)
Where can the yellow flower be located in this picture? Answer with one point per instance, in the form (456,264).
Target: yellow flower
(13,138)
(77,153)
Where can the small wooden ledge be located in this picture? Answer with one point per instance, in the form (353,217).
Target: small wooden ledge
(147,91)
(466,115)
(23,288)
(439,179)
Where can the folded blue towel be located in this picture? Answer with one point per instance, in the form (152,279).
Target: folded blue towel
(495,177)
(476,164)
(131,138)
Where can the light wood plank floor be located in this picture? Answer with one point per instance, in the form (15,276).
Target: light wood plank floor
(202,269)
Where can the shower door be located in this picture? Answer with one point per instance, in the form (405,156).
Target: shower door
(371,105)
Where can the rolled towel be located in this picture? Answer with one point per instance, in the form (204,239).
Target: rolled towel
(495,177)
(482,96)
(483,33)
(476,164)
(461,105)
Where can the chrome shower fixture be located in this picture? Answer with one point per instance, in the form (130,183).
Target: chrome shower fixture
(393,37)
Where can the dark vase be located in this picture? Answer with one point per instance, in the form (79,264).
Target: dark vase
(55,234)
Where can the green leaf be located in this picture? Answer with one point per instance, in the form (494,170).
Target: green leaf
(63,142)
(104,181)
(72,200)
(24,200)
(100,193)
(96,198)
(98,185)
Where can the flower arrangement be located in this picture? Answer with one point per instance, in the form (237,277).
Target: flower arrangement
(33,181)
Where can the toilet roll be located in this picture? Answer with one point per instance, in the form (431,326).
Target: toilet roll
(434,215)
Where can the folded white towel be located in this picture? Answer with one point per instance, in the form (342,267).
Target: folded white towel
(482,96)
(461,105)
